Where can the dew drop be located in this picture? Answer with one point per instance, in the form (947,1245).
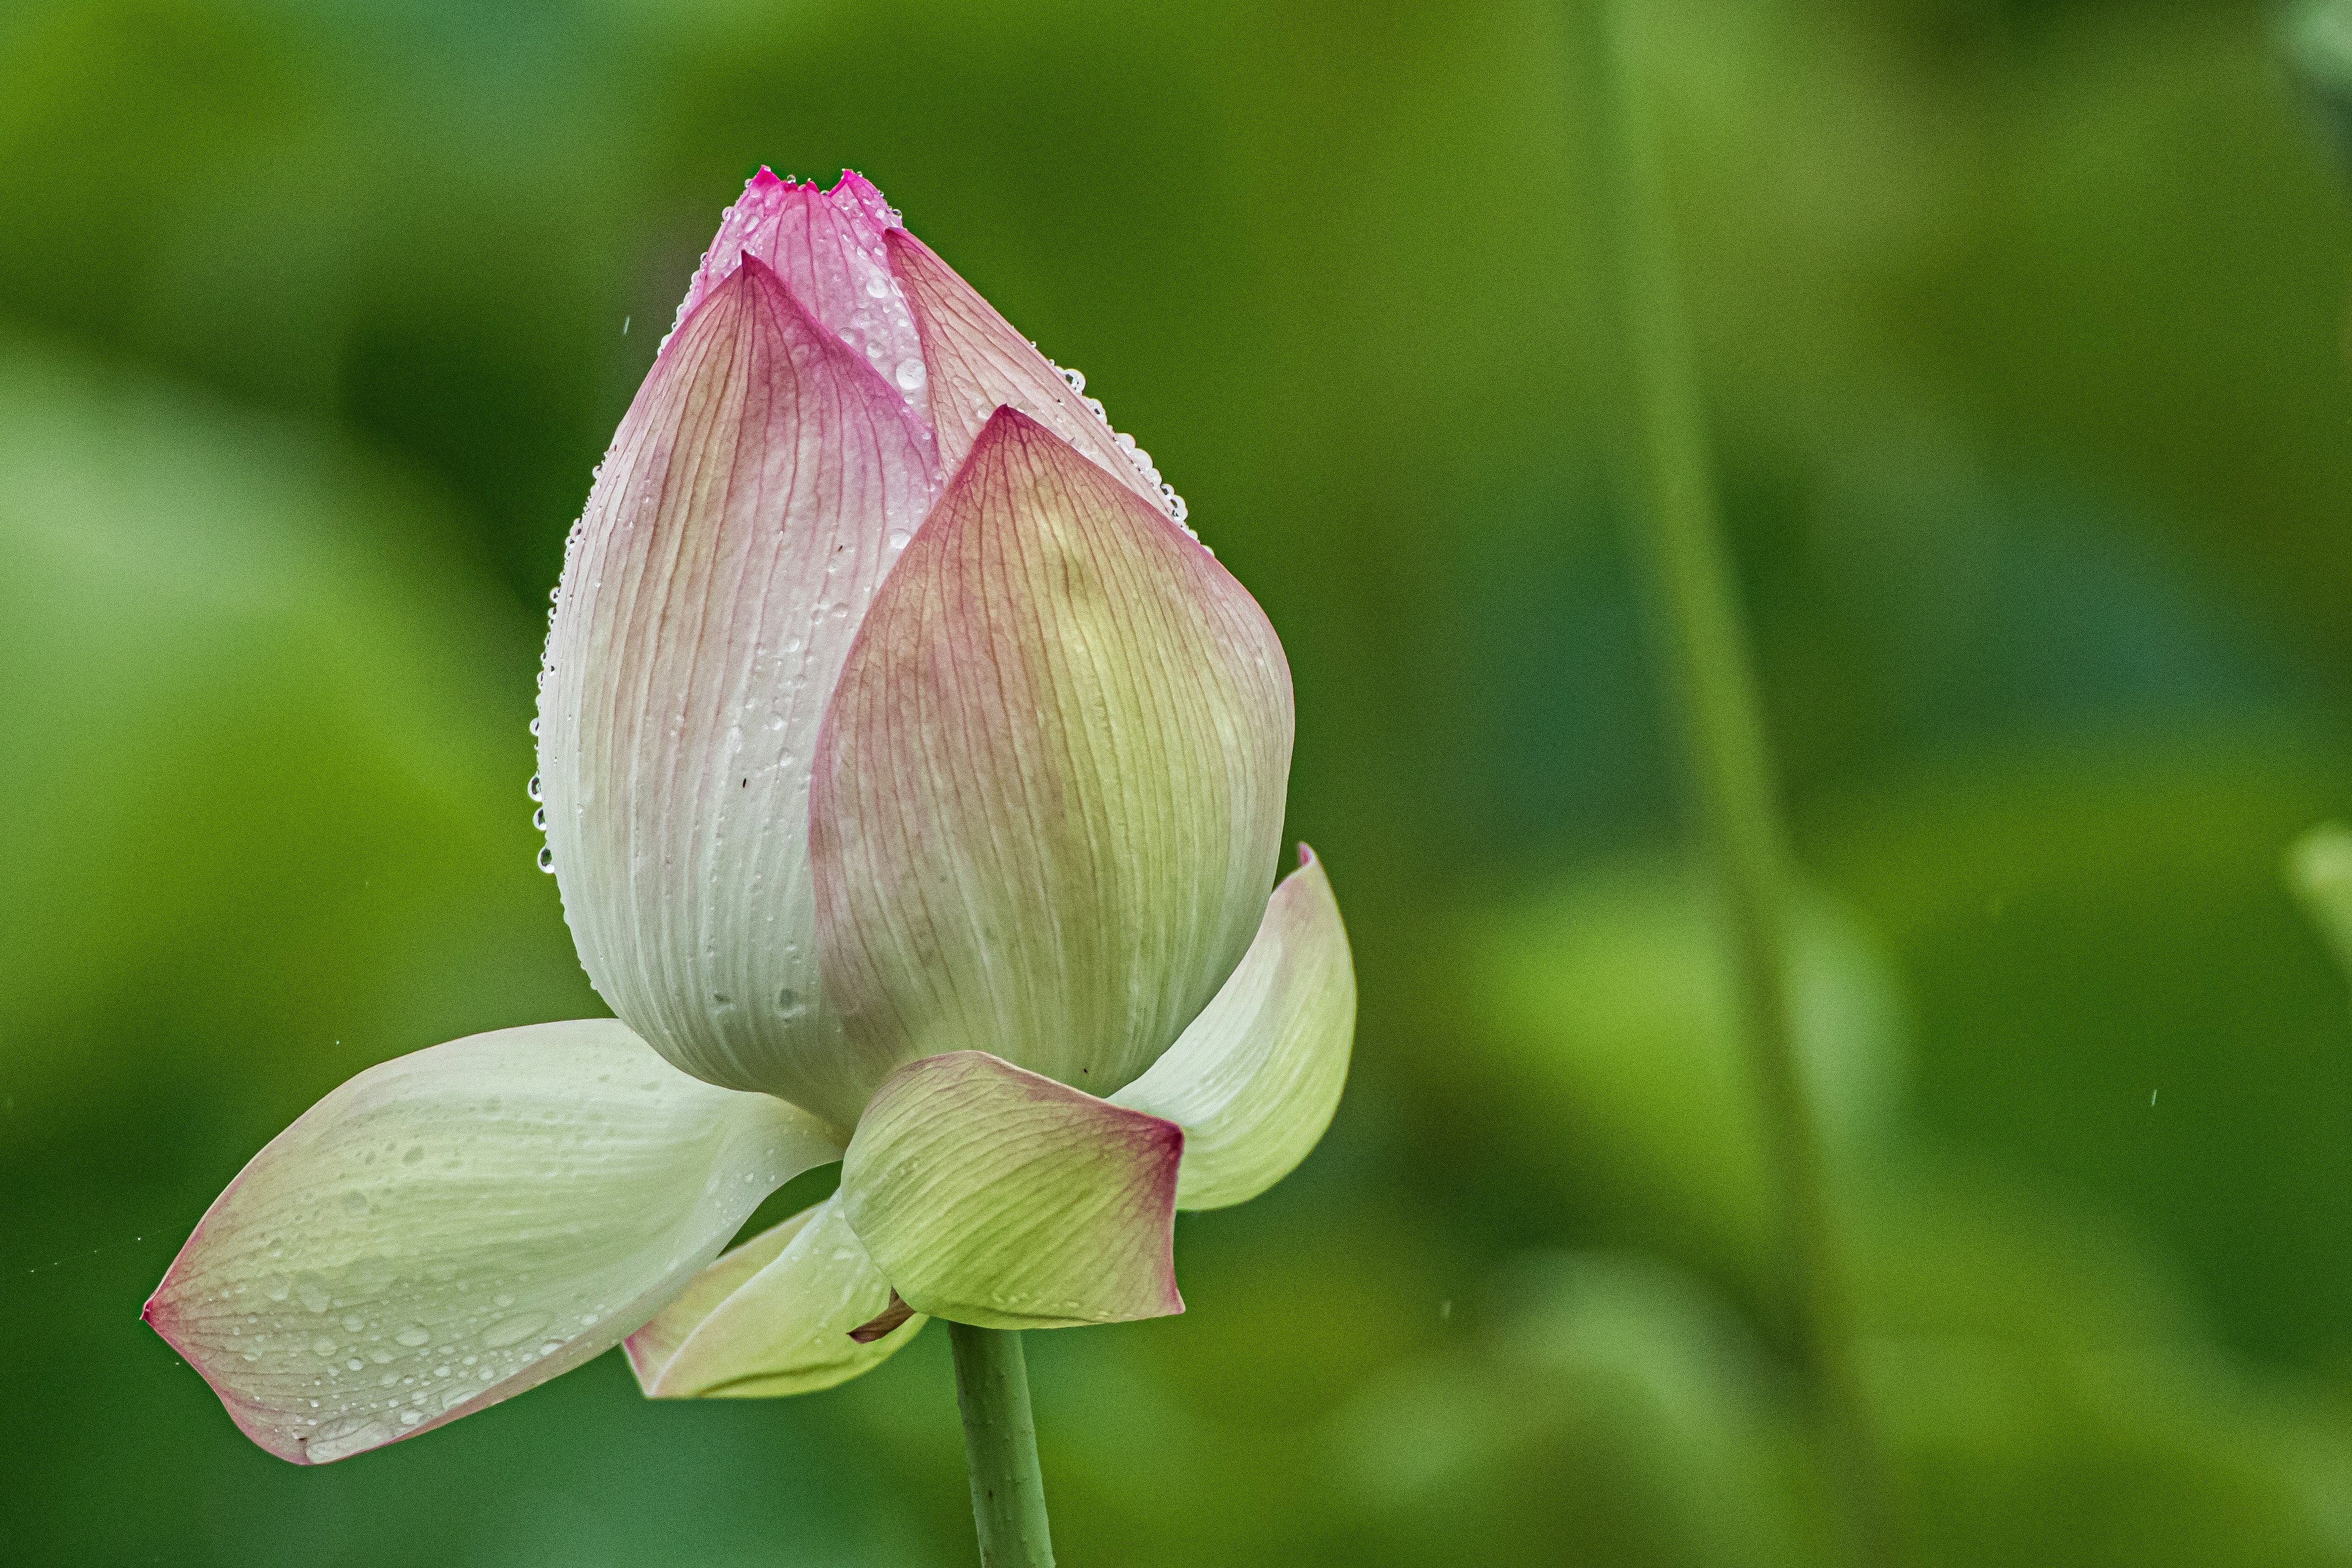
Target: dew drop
(322,1346)
(899,539)
(910,374)
(277,1287)
(546,858)
(413,1335)
(314,1296)
(513,1330)
(411,1418)
(354,1321)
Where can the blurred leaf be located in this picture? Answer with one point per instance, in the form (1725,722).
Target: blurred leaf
(1614,1061)
(265,742)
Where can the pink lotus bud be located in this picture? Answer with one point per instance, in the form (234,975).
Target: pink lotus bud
(914,779)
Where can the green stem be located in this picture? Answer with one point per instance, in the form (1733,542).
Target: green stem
(1713,684)
(1000,1448)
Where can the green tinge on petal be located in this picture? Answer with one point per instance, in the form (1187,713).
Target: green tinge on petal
(454,1226)
(991,1196)
(1049,790)
(772,1317)
(737,531)
(1256,1078)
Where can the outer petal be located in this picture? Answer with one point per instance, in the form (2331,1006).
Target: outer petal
(977,362)
(1256,1078)
(757,492)
(454,1226)
(991,1196)
(772,1317)
(827,248)
(1049,790)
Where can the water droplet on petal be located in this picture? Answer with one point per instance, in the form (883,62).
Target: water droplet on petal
(513,1330)
(910,374)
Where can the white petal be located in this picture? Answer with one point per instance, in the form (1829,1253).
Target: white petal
(745,516)
(454,1226)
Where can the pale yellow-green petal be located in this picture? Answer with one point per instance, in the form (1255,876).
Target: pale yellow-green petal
(1256,1078)
(454,1226)
(772,1317)
(993,1195)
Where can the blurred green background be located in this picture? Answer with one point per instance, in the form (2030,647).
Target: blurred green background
(2020,325)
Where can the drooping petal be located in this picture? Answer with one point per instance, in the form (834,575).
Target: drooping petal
(1256,1078)
(991,1196)
(454,1226)
(756,493)
(975,361)
(827,248)
(772,1317)
(1049,790)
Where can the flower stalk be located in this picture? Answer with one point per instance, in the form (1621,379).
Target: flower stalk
(1710,676)
(1000,1447)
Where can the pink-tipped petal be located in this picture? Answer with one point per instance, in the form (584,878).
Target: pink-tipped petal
(986,1194)
(758,490)
(454,1226)
(1049,790)
(976,362)
(827,248)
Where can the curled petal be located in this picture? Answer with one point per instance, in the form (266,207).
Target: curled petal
(1049,790)
(827,248)
(454,1226)
(991,1196)
(777,1315)
(756,493)
(1254,1079)
(976,362)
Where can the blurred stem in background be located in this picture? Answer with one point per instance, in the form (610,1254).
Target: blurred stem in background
(1000,1448)
(1712,685)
